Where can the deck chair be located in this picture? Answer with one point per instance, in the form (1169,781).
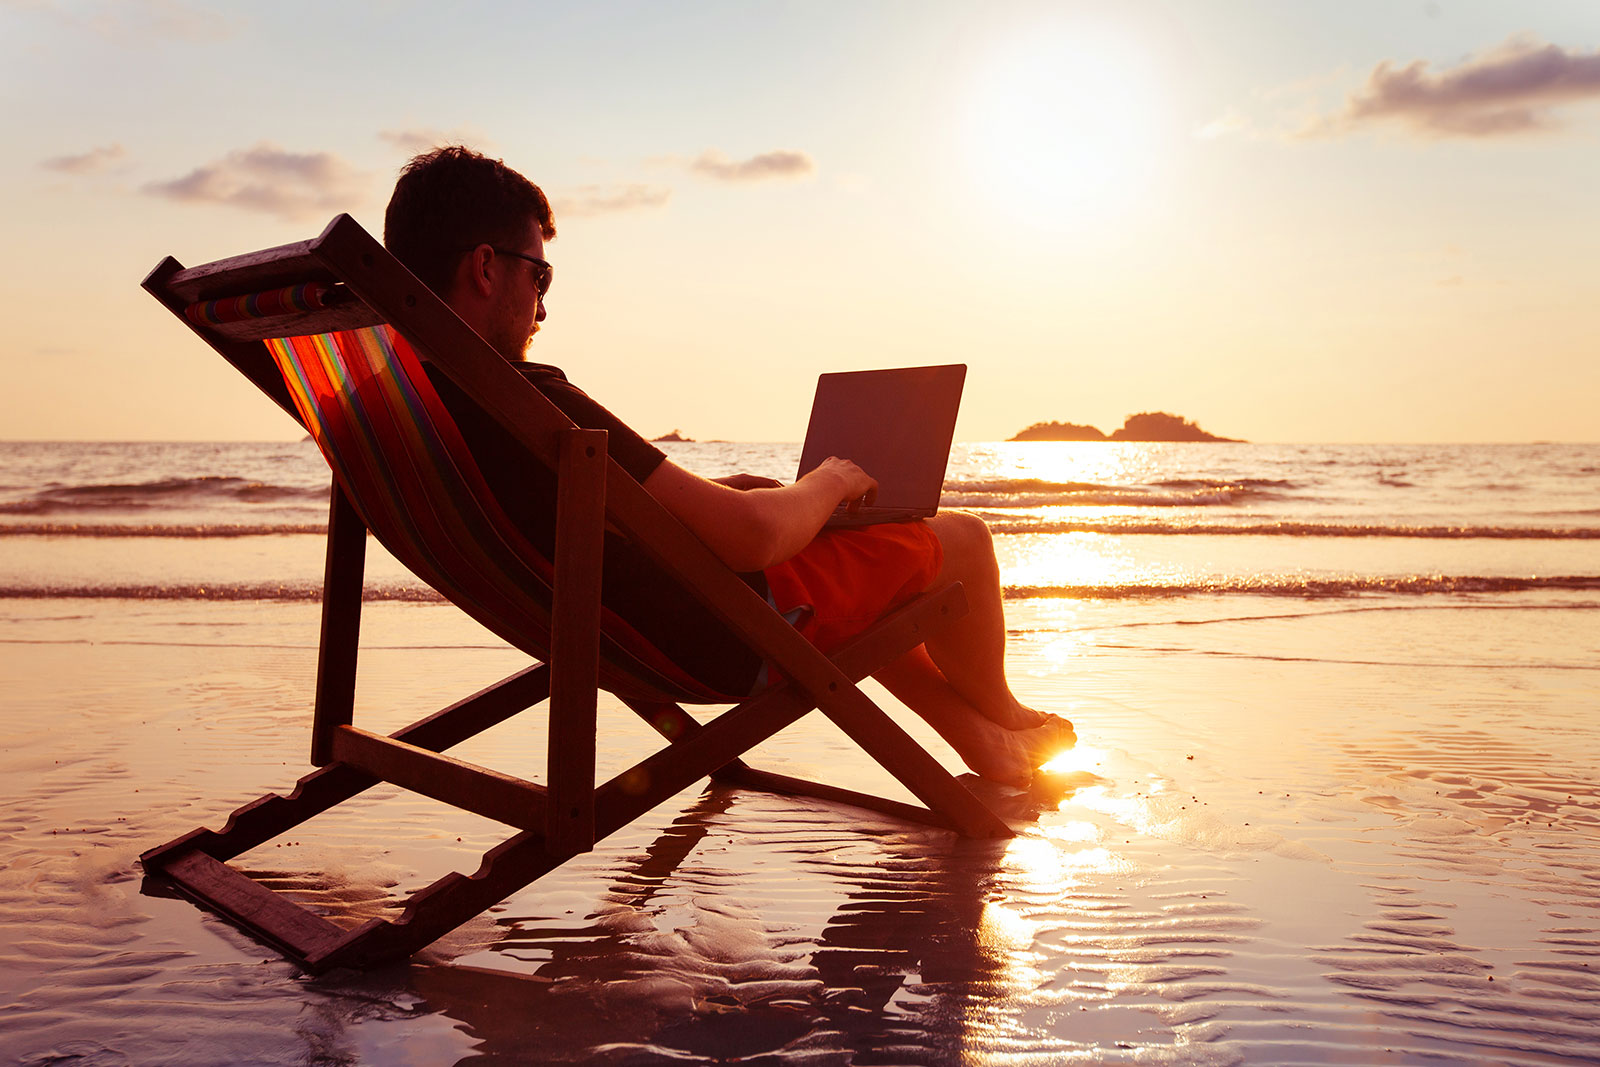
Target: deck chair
(335,330)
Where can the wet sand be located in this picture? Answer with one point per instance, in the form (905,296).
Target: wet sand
(1344,831)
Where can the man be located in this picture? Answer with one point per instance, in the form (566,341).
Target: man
(474,230)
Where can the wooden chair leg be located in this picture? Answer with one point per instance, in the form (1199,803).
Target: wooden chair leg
(341,624)
(575,640)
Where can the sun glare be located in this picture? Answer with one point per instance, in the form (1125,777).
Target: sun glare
(1079,758)
(1064,125)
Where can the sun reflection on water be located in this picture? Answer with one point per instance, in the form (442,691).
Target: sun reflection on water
(1058,509)
(1075,832)
(1049,865)
(1063,462)
(1076,760)
(1140,811)
(1083,560)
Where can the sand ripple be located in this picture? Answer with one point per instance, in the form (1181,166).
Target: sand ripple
(1342,886)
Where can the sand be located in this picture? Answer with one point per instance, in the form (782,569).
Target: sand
(1342,831)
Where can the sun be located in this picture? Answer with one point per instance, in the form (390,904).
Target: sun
(1065,124)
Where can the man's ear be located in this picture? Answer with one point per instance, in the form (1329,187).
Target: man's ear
(473,274)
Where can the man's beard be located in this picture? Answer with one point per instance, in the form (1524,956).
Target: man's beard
(512,345)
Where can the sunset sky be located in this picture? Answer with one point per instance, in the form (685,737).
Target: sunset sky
(1323,221)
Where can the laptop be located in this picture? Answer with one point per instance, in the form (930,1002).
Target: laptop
(896,425)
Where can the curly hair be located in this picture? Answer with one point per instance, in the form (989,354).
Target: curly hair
(452,199)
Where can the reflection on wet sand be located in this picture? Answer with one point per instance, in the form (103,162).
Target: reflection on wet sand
(686,963)
(1289,841)
(884,942)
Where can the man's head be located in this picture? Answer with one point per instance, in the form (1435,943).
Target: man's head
(470,227)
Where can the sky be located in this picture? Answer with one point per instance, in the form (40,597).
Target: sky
(1310,221)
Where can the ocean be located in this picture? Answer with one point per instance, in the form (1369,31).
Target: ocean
(1076,520)
(1338,711)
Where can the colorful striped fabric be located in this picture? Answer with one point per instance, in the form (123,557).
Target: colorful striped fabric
(307,296)
(401,460)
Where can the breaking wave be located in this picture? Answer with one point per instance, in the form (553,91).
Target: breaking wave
(208,490)
(1002,524)
(159,529)
(999,523)
(1263,585)
(289,591)
(1175,493)
(1310,588)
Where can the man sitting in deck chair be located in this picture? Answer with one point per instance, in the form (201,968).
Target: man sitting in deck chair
(473,230)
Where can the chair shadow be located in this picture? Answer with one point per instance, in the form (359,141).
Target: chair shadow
(893,967)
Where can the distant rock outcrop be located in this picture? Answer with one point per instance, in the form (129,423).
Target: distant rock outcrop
(1160,426)
(1059,431)
(1145,426)
(674,436)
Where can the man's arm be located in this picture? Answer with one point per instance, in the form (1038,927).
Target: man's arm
(748,481)
(752,529)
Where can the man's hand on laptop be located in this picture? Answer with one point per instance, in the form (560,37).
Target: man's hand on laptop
(858,487)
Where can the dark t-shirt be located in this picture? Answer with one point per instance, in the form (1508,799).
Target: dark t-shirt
(631,584)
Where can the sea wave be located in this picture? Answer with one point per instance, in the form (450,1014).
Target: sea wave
(207,490)
(1311,588)
(999,523)
(291,591)
(159,529)
(1272,585)
(1007,525)
(1176,492)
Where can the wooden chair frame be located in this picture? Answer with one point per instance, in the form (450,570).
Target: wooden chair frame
(569,813)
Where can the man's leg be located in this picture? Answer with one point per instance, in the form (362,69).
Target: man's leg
(994,751)
(971,652)
(956,682)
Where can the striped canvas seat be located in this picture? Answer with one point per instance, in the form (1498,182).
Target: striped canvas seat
(401,459)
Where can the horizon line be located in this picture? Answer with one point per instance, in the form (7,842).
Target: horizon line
(741,441)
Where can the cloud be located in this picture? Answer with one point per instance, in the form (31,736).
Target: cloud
(590,200)
(267,178)
(1228,124)
(1510,90)
(169,19)
(780,163)
(425,138)
(96,160)
(141,20)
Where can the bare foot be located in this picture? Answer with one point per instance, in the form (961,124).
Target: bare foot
(1011,756)
(1015,715)
(1064,726)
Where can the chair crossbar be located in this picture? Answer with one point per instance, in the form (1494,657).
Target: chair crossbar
(742,774)
(480,790)
(263,819)
(300,932)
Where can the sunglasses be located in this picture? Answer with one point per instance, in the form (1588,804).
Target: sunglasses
(543,274)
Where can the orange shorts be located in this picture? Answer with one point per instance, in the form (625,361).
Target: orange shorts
(847,578)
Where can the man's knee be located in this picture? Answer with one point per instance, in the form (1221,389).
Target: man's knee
(965,539)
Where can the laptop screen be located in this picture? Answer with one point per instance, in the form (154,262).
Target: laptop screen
(896,424)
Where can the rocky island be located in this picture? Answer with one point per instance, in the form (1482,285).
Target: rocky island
(1145,426)
(674,436)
